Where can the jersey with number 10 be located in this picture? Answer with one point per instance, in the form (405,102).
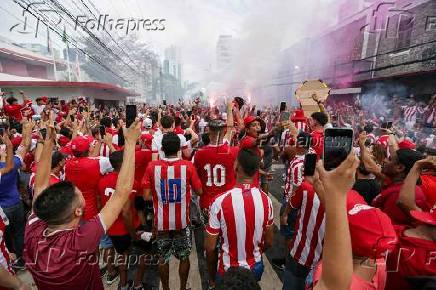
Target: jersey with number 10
(170,181)
(215,167)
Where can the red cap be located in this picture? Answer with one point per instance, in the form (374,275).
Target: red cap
(63,140)
(80,144)
(371,230)
(16,141)
(250,119)
(44,99)
(298,116)
(66,149)
(406,144)
(425,217)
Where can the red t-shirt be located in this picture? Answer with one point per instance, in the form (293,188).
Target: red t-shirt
(317,142)
(387,202)
(106,187)
(170,181)
(14,111)
(85,173)
(142,159)
(412,257)
(66,259)
(214,166)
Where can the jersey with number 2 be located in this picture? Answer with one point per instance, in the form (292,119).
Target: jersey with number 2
(215,167)
(170,181)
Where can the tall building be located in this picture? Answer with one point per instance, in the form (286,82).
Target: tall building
(224,51)
(174,57)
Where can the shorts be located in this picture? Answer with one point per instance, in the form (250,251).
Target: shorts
(174,243)
(105,242)
(121,243)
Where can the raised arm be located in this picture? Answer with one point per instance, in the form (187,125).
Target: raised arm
(230,122)
(42,178)
(27,139)
(9,154)
(333,186)
(406,200)
(124,186)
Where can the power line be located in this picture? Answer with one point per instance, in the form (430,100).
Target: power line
(39,16)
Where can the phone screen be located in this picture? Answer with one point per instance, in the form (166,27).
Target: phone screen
(102,131)
(43,132)
(338,143)
(282,106)
(310,164)
(130,114)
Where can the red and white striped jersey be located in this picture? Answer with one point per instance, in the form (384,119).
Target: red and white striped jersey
(4,253)
(170,181)
(307,244)
(240,216)
(410,113)
(301,126)
(294,176)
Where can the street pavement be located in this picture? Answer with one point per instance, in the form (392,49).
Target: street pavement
(271,279)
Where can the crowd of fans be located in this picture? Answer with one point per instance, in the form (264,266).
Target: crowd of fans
(87,192)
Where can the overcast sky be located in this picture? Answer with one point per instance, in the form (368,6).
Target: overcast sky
(195,25)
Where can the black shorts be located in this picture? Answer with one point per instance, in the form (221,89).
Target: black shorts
(121,243)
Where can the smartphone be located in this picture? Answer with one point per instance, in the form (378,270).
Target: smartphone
(284,116)
(258,113)
(130,115)
(164,102)
(282,106)
(43,133)
(386,125)
(2,131)
(338,143)
(310,164)
(102,131)
(36,117)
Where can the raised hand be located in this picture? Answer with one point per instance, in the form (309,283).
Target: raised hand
(132,133)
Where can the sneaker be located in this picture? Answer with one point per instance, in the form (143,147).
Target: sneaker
(279,263)
(112,277)
(18,265)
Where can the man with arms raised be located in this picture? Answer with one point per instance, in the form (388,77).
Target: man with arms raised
(61,249)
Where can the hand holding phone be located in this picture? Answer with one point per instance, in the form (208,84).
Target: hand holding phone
(338,143)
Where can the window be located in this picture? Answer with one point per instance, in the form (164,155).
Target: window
(405,26)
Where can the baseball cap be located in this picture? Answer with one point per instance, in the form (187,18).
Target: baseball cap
(371,230)
(147,123)
(80,144)
(425,217)
(408,157)
(406,144)
(249,119)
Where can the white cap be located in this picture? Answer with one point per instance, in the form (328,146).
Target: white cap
(147,123)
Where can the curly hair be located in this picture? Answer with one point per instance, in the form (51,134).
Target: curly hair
(237,278)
